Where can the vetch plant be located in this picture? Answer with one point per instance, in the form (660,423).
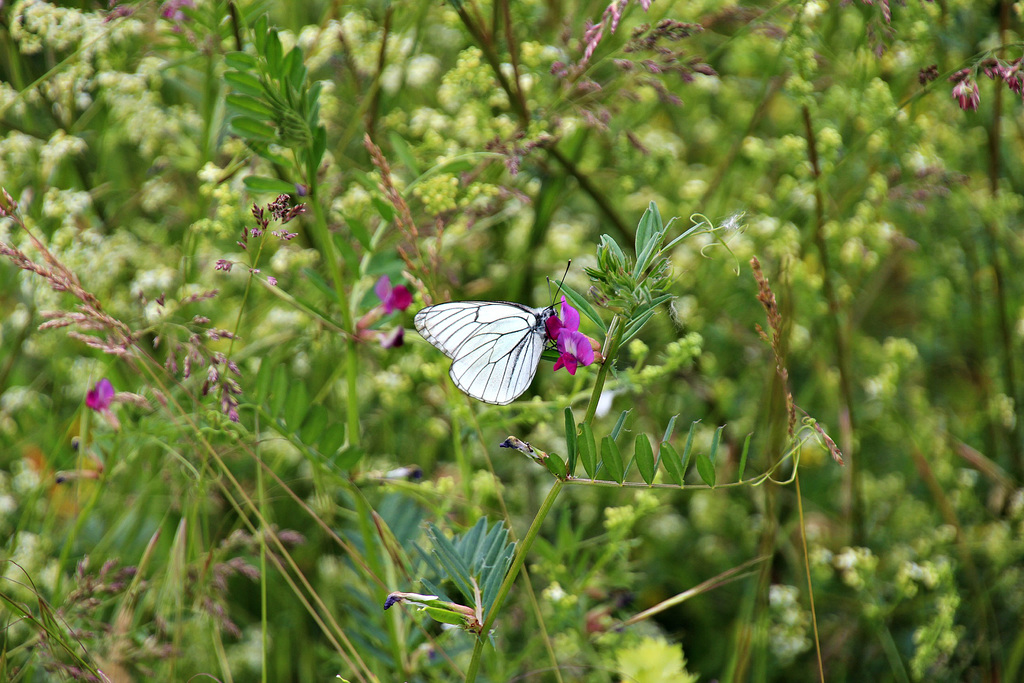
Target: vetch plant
(633,289)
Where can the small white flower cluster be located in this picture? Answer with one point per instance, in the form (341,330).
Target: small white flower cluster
(790,623)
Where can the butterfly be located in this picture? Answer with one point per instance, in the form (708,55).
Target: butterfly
(495,346)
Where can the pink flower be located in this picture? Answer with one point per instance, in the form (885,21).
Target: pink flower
(100,399)
(392,339)
(573,346)
(101,396)
(394,298)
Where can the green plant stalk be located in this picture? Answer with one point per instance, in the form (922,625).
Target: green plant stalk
(616,328)
(522,550)
(334,267)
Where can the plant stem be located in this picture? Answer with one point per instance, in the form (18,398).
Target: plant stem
(615,329)
(522,550)
(846,416)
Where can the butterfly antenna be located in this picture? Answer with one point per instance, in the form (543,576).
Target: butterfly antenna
(560,282)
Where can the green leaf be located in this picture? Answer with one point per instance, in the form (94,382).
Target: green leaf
(706,469)
(240,61)
(279,391)
(247,104)
(689,445)
(636,326)
(260,29)
(250,128)
(359,231)
(314,425)
(570,441)
(643,454)
(295,69)
(245,83)
(588,450)
(618,425)
(257,184)
(297,406)
(347,457)
(650,224)
(672,463)
(263,377)
(318,281)
(611,458)
(671,427)
(445,616)
(555,465)
(386,211)
(273,52)
(403,152)
(584,306)
(333,439)
(714,443)
(743,456)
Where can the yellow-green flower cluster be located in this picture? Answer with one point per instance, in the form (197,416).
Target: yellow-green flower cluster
(439,193)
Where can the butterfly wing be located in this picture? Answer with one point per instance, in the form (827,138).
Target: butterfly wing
(495,346)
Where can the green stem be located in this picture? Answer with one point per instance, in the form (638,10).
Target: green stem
(522,551)
(615,331)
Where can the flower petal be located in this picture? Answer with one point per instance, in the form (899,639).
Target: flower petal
(401,298)
(100,396)
(570,316)
(383,288)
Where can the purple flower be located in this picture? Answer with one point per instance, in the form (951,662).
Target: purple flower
(101,396)
(573,346)
(394,298)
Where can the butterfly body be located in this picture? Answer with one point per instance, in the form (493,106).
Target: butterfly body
(495,346)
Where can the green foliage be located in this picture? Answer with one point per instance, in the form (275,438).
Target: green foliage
(273,466)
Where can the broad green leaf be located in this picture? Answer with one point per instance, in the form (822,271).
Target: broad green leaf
(570,441)
(672,463)
(643,454)
(612,459)
(258,184)
(706,469)
(588,450)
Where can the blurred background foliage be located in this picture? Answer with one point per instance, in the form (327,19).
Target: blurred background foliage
(883,199)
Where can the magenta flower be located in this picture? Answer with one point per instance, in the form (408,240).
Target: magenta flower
(101,396)
(100,399)
(573,346)
(394,298)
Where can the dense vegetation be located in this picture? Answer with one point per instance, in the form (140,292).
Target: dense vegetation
(794,231)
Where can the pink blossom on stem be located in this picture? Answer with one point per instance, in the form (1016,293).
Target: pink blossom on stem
(393,298)
(966,94)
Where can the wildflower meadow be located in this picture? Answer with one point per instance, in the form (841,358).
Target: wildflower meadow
(478,340)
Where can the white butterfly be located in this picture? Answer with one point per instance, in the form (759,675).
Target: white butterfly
(495,346)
